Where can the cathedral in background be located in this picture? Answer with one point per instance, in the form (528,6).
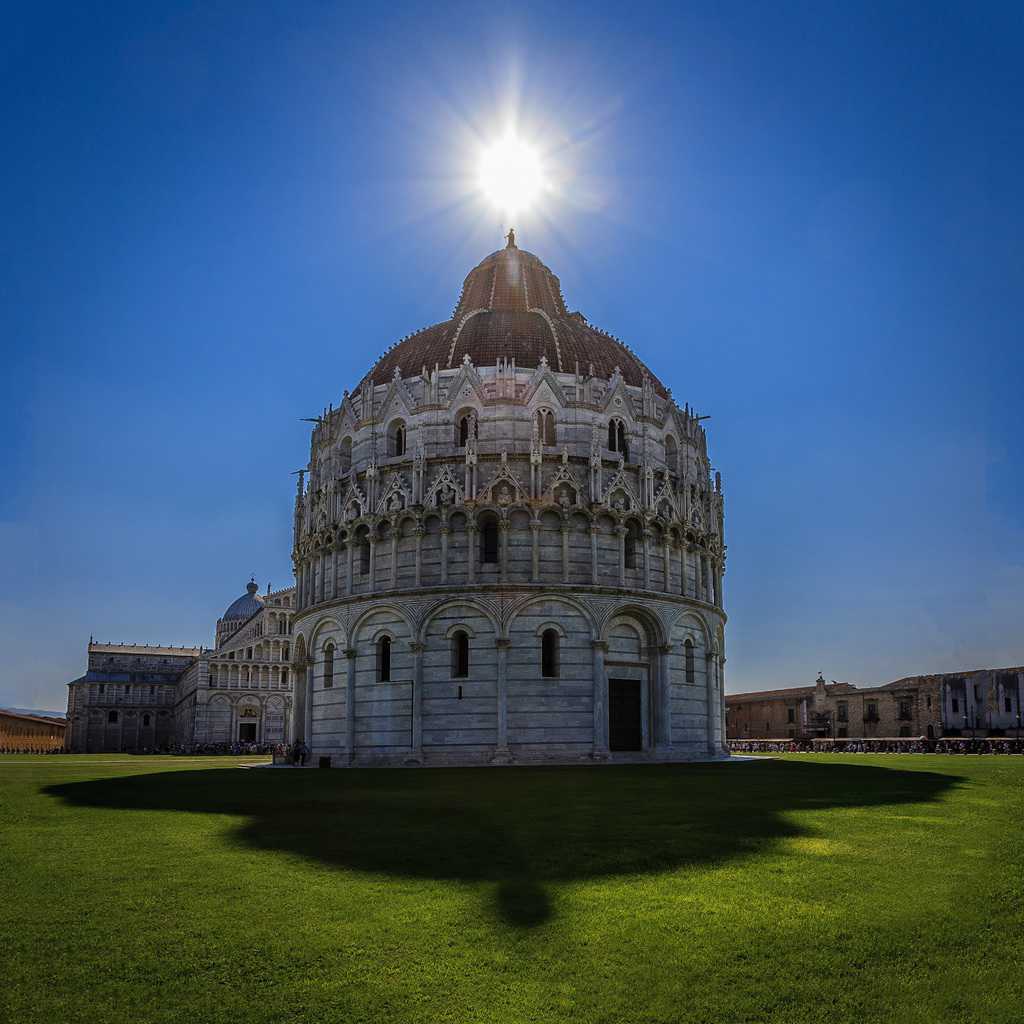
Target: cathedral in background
(137,698)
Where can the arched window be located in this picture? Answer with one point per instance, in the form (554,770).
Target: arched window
(466,426)
(489,541)
(328,666)
(460,654)
(549,654)
(145,720)
(111,716)
(345,455)
(688,654)
(364,555)
(632,535)
(384,659)
(396,438)
(546,427)
(671,454)
(617,438)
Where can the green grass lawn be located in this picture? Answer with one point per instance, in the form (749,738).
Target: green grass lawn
(805,888)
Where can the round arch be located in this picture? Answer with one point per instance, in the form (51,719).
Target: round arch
(458,602)
(517,609)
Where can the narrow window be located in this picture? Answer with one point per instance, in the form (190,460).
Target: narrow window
(621,438)
(1007,704)
(284,677)
(688,652)
(631,536)
(612,437)
(384,660)
(489,542)
(398,439)
(145,719)
(345,456)
(546,426)
(460,655)
(956,705)
(364,556)
(671,454)
(467,428)
(111,716)
(549,666)
(328,666)
(790,714)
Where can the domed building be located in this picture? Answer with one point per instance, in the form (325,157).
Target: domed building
(509,548)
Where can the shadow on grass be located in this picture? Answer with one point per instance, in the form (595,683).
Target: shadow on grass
(518,828)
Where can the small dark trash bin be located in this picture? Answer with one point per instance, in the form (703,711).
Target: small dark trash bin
(325,762)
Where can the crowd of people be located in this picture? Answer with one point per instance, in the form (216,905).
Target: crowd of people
(900,745)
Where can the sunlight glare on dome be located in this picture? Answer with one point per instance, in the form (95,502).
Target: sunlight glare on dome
(510,174)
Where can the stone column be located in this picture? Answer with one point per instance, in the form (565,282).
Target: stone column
(600,701)
(309,704)
(472,544)
(394,555)
(351,553)
(565,552)
(620,532)
(419,553)
(444,554)
(647,558)
(663,722)
(299,712)
(709,687)
(593,552)
(334,572)
(535,531)
(502,753)
(350,705)
(373,559)
(667,559)
(417,701)
(503,555)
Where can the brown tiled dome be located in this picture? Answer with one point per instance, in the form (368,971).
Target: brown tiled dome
(511,307)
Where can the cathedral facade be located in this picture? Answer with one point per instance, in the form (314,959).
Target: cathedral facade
(136,698)
(509,548)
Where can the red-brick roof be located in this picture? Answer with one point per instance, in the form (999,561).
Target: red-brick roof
(511,307)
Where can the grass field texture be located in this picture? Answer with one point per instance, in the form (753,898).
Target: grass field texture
(802,888)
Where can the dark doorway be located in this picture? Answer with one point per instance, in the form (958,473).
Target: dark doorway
(624,730)
(247,732)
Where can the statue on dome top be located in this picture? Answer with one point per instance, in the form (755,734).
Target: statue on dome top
(511,238)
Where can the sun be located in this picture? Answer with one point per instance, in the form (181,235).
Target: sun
(510,175)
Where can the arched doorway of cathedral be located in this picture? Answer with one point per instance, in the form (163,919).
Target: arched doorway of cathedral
(628,666)
(249,720)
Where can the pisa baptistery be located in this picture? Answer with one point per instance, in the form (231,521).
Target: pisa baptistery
(509,548)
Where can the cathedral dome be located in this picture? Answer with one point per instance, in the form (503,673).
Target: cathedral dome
(245,606)
(511,307)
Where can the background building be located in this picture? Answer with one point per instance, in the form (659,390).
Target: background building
(982,702)
(139,698)
(509,546)
(21,731)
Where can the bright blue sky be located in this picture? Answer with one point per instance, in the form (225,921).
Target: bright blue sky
(807,219)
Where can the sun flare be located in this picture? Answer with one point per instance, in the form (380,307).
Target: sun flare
(510,175)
